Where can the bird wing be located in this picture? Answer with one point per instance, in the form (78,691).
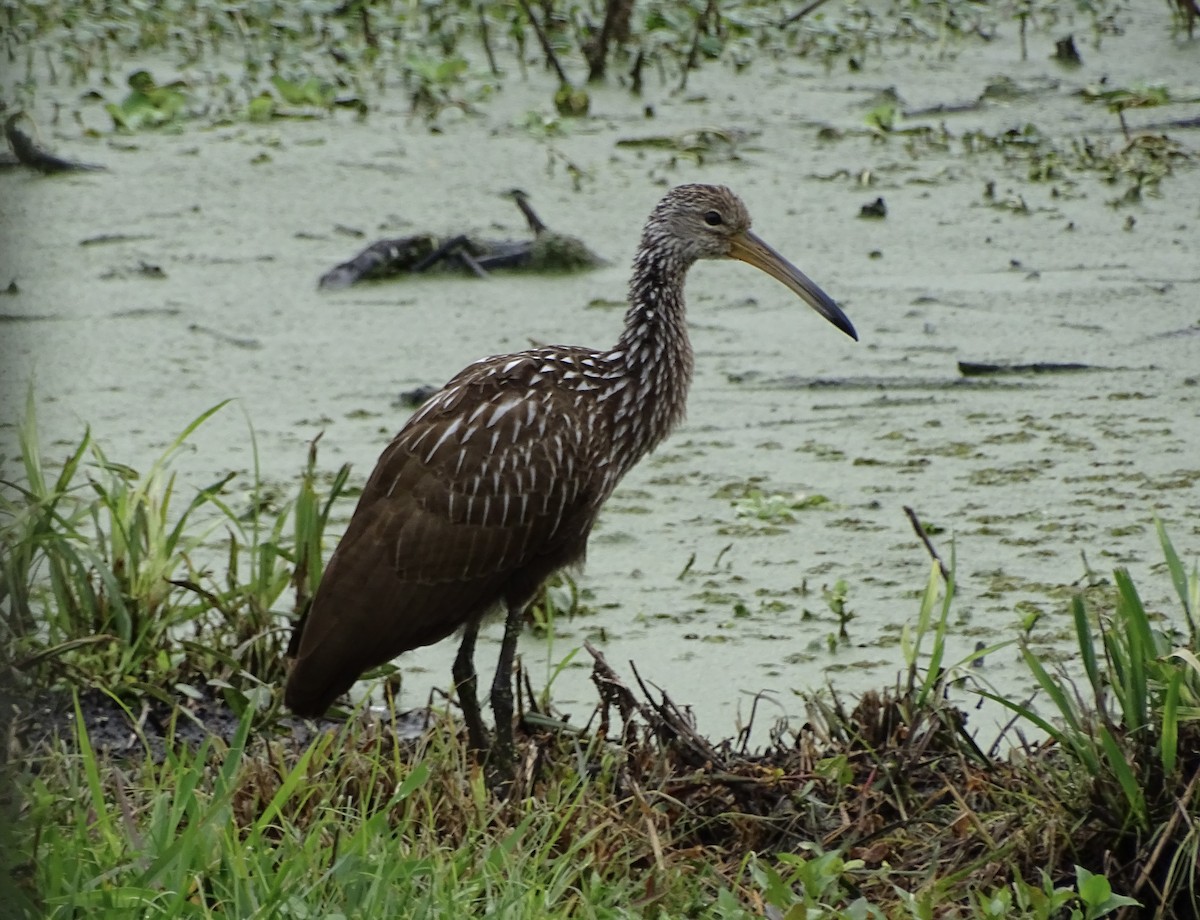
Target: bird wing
(491,472)
(489,487)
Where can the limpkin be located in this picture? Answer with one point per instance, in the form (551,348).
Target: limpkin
(495,482)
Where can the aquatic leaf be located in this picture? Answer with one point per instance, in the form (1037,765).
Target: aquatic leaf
(440,72)
(148,105)
(261,107)
(308,92)
(882,117)
(663,141)
(539,124)
(1128,98)
(669,19)
(710,45)
(698,143)
(571,102)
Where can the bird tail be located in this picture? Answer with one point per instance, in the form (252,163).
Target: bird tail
(309,694)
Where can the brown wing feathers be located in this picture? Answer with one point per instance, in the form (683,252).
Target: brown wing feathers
(478,497)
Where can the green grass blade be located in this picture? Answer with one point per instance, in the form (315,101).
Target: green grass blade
(30,446)
(1169,735)
(182,850)
(103,822)
(1087,649)
(912,640)
(1074,735)
(1179,579)
(297,775)
(933,674)
(195,423)
(66,476)
(1029,715)
(201,498)
(1130,786)
(1141,648)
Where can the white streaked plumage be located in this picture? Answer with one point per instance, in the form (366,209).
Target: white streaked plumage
(495,482)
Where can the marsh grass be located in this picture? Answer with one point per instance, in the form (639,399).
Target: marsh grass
(214,804)
(103,586)
(1134,728)
(354,824)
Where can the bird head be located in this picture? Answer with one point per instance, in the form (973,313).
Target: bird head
(710,222)
(698,222)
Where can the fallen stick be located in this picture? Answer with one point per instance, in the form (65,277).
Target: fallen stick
(28,153)
(933,553)
(979,369)
(664,719)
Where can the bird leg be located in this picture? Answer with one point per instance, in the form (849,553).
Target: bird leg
(502,691)
(465,683)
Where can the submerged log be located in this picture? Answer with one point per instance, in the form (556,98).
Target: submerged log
(979,369)
(380,260)
(547,251)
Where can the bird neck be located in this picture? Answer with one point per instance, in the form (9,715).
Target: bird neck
(653,353)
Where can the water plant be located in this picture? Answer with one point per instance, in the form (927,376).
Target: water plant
(1120,99)
(1134,730)
(448,55)
(107,580)
(886,808)
(148,105)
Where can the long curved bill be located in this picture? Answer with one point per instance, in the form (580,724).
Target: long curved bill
(749,248)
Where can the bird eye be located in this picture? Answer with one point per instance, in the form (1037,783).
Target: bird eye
(714,218)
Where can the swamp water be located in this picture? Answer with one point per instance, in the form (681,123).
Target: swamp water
(712,567)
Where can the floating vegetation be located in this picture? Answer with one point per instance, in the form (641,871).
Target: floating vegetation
(1144,160)
(776,507)
(701,145)
(186,793)
(1120,100)
(149,105)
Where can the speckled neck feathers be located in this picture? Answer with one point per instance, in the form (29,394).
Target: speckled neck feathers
(653,352)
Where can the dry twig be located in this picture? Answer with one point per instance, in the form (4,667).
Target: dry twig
(920,531)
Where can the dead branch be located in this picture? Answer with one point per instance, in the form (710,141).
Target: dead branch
(804,11)
(615,28)
(920,531)
(547,48)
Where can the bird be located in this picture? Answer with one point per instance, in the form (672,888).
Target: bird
(496,481)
